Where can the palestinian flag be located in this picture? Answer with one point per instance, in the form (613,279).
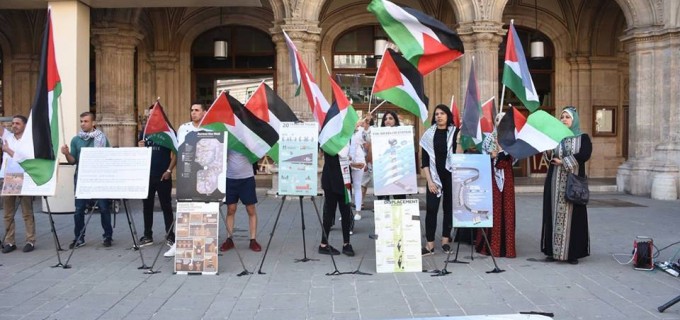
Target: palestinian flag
(524,137)
(302,77)
(248,135)
(516,74)
(159,130)
(426,42)
(455,112)
(471,111)
(398,82)
(486,122)
(267,106)
(40,142)
(340,122)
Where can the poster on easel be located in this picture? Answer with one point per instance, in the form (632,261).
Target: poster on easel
(394,166)
(298,158)
(18,183)
(202,167)
(397,224)
(196,230)
(472,195)
(113,173)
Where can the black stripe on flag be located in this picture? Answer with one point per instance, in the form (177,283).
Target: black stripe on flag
(279,107)
(517,148)
(411,73)
(40,116)
(447,37)
(254,124)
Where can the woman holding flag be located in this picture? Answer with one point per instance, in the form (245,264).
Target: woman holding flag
(438,144)
(565,224)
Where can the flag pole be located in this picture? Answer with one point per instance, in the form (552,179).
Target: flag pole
(500,105)
(378,106)
(326,65)
(61,120)
(370,96)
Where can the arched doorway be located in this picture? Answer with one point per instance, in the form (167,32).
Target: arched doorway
(251,59)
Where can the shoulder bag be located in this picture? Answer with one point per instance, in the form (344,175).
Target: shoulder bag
(577,189)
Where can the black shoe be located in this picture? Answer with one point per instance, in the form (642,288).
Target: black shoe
(427,252)
(328,250)
(549,259)
(107,242)
(76,245)
(446,248)
(28,247)
(145,241)
(8,248)
(348,250)
(572,261)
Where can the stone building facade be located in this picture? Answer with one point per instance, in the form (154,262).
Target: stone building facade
(609,58)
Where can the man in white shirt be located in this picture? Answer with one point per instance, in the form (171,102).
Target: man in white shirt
(10,142)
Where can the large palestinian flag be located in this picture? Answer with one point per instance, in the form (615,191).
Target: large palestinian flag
(267,106)
(426,42)
(340,122)
(40,142)
(516,74)
(248,135)
(398,82)
(524,137)
(159,130)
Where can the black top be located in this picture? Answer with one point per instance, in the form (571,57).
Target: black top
(440,149)
(160,158)
(331,176)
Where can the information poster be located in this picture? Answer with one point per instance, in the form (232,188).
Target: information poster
(472,194)
(298,158)
(202,167)
(19,183)
(397,224)
(196,230)
(113,173)
(394,166)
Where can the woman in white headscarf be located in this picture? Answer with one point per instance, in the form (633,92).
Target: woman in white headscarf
(565,224)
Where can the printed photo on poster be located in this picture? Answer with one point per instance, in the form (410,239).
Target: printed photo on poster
(471,191)
(113,173)
(298,158)
(202,167)
(196,231)
(397,224)
(19,183)
(394,166)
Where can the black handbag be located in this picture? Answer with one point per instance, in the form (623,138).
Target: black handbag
(577,189)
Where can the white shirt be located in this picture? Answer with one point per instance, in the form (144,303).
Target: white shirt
(238,166)
(8,163)
(184,129)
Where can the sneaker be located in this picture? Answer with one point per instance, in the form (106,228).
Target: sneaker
(328,250)
(28,247)
(76,245)
(227,245)
(446,248)
(572,261)
(145,241)
(357,217)
(348,250)
(169,243)
(107,242)
(254,245)
(427,252)
(170,253)
(8,248)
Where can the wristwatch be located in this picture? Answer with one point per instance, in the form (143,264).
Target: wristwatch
(168,171)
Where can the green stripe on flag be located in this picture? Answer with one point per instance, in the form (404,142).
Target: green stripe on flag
(514,82)
(549,125)
(401,98)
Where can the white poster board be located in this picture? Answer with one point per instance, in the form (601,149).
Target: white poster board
(471,191)
(196,230)
(397,224)
(298,158)
(113,173)
(19,183)
(394,166)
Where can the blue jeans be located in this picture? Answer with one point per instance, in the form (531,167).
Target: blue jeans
(104,214)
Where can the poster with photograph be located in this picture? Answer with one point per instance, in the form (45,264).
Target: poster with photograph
(298,158)
(19,183)
(394,163)
(196,231)
(397,224)
(471,191)
(113,173)
(202,167)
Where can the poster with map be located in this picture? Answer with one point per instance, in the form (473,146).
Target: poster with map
(397,224)
(471,191)
(394,163)
(298,158)
(197,227)
(202,167)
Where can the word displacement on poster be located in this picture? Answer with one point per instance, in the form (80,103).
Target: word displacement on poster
(113,173)
(202,167)
(471,191)
(397,224)
(196,231)
(298,158)
(394,166)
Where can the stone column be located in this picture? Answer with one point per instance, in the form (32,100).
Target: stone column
(164,85)
(306,38)
(481,40)
(115,51)
(23,78)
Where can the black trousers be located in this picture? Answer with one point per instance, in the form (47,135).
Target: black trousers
(163,188)
(332,201)
(432,208)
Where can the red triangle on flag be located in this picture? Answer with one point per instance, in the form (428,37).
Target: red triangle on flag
(520,120)
(388,75)
(487,120)
(220,111)
(435,55)
(257,104)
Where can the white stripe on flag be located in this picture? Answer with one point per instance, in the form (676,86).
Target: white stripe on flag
(333,127)
(249,139)
(410,22)
(536,139)
(408,88)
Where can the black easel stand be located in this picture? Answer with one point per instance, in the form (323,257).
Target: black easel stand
(495,269)
(245,271)
(160,249)
(443,272)
(669,304)
(304,243)
(335,272)
(133,232)
(57,245)
(88,212)
(455,259)
(357,271)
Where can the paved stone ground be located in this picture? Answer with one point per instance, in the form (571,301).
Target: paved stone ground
(104,283)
